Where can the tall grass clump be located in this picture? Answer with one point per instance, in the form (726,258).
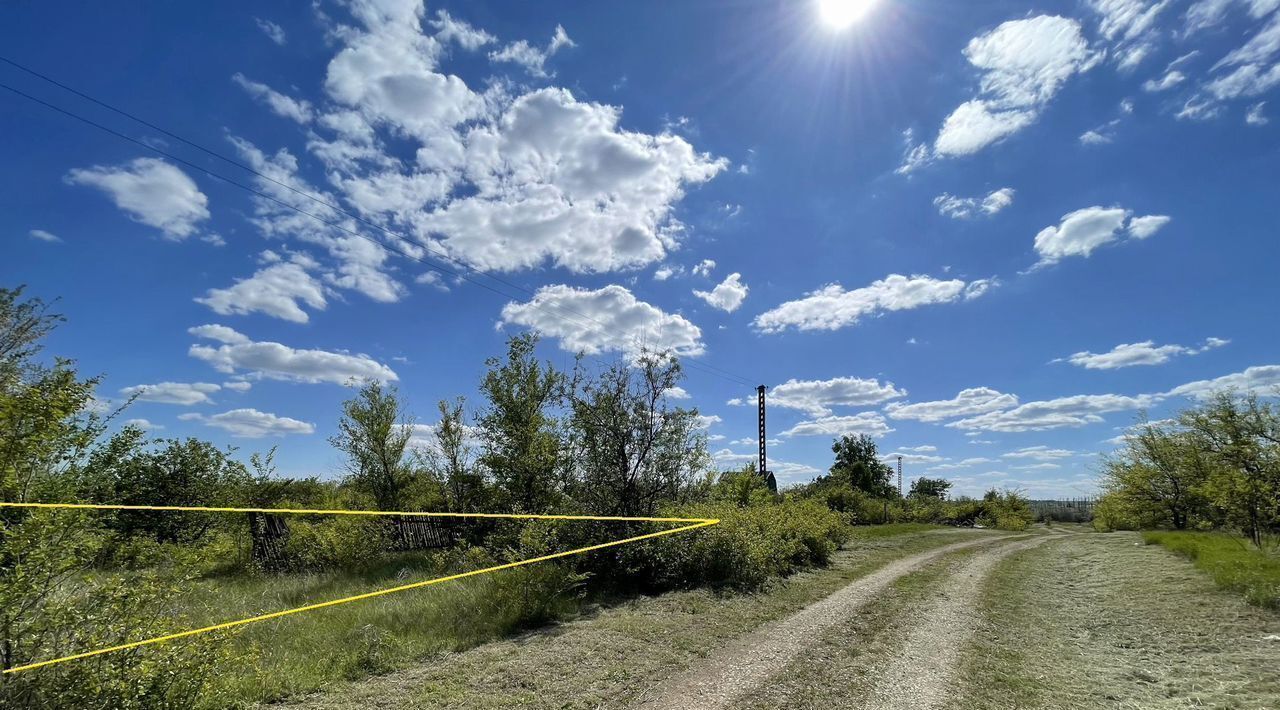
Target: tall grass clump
(1230,561)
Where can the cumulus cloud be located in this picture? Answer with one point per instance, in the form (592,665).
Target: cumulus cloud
(817,397)
(704,268)
(606,319)
(532,58)
(727,296)
(187,393)
(869,423)
(969,402)
(237,386)
(450,29)
(966,207)
(142,424)
(286,106)
(281,362)
(1039,453)
(152,192)
(275,290)
(1073,411)
(1144,353)
(832,307)
(1083,231)
(1262,379)
(252,424)
(556,179)
(1024,63)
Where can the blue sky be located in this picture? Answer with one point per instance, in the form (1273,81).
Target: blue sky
(989,238)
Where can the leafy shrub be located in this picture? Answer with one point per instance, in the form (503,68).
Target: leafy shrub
(341,541)
(749,546)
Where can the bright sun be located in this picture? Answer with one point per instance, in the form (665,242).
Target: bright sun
(839,14)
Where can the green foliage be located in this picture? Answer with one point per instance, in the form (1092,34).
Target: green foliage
(750,545)
(743,488)
(451,460)
(930,488)
(629,448)
(521,445)
(374,434)
(342,541)
(858,465)
(1249,571)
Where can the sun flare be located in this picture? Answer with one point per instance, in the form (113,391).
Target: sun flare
(839,14)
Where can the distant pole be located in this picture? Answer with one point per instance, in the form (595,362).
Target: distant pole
(763,435)
(899,476)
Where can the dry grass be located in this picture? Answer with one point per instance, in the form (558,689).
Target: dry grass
(1104,621)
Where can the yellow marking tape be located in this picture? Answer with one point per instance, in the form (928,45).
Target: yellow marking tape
(697,523)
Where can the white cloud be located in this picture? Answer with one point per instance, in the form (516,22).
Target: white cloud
(727,296)
(1261,379)
(1130,26)
(704,268)
(870,423)
(1095,137)
(275,290)
(555,178)
(281,362)
(44,236)
(272,30)
(817,397)
(423,437)
(1144,353)
(1073,411)
(910,459)
(187,393)
(237,386)
(1083,231)
(678,392)
(784,472)
(1255,116)
(152,192)
(606,319)
(969,402)
(286,106)
(1143,227)
(965,207)
(530,57)
(1039,453)
(831,307)
(664,272)
(450,29)
(142,424)
(1168,81)
(252,424)
(1025,63)
(221,333)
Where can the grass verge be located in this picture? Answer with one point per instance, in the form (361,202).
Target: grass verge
(1230,561)
(1096,621)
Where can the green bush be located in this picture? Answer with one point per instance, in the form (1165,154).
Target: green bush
(341,541)
(749,546)
(1232,562)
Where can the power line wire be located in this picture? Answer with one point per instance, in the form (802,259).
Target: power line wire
(705,367)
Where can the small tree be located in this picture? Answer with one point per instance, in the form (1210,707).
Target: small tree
(453,462)
(521,447)
(858,465)
(930,488)
(631,448)
(374,433)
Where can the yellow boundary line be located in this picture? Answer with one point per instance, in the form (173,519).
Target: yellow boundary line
(696,523)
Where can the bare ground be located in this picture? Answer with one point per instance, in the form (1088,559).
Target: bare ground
(740,667)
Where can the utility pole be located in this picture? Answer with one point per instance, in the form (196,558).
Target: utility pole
(899,476)
(762,434)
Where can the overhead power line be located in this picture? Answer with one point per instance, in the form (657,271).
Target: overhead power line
(704,367)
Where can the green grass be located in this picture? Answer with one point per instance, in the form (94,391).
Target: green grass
(892,529)
(1230,561)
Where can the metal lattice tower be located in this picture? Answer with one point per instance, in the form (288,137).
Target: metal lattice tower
(899,476)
